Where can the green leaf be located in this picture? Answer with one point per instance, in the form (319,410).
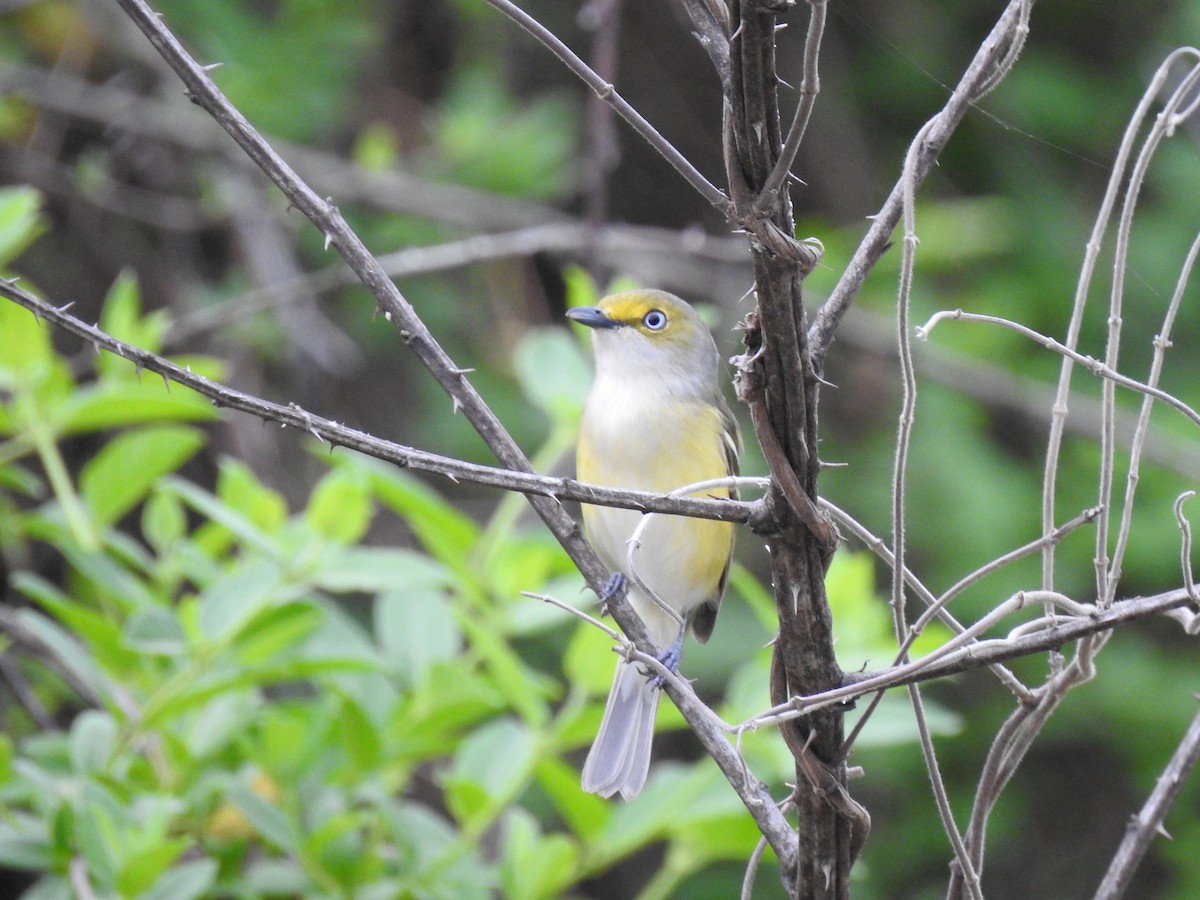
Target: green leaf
(291,736)
(444,532)
(265,817)
(427,722)
(164,522)
(585,814)
(377,569)
(143,866)
(337,843)
(67,650)
(155,631)
(121,316)
(649,816)
(100,826)
(276,629)
(239,489)
(102,635)
(543,350)
(534,865)
(358,734)
(588,660)
(187,881)
(340,507)
(485,140)
(523,687)
(21,222)
(120,475)
(415,629)
(268,509)
(277,878)
(6,759)
(25,350)
(233,600)
(118,404)
(492,764)
(24,843)
(92,741)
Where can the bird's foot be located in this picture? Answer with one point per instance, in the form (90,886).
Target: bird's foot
(670,659)
(612,587)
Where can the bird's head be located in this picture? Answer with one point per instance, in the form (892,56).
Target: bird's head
(647,333)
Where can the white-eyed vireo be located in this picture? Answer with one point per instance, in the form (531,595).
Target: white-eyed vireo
(655,420)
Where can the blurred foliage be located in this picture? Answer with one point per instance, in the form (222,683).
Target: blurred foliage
(307,668)
(279,708)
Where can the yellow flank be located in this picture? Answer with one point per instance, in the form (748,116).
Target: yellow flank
(623,447)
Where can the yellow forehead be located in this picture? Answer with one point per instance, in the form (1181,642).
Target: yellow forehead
(630,307)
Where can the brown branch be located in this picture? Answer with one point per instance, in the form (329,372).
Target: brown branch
(810,86)
(338,435)
(1149,821)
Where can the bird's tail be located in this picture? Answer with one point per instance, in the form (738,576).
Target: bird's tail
(620,757)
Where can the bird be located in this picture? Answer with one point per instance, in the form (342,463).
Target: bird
(654,420)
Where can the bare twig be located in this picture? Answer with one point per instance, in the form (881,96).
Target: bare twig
(971,655)
(1093,365)
(125,111)
(904,428)
(1162,341)
(1083,286)
(692,258)
(1149,821)
(991,62)
(608,93)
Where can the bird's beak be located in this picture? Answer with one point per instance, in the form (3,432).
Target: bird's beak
(592,317)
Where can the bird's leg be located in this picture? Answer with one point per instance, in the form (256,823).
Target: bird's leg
(616,581)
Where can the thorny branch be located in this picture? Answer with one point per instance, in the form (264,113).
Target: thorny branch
(336,434)
(1148,823)
(416,335)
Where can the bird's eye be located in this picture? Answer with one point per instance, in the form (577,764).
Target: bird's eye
(655,320)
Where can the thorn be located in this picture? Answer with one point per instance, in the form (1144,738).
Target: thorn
(455,406)
(166,381)
(786,84)
(65,306)
(387,314)
(212,66)
(328,240)
(1163,831)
